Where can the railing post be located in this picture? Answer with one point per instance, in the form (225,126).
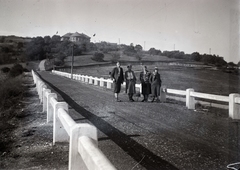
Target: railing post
(101,82)
(45,90)
(190,101)
(50,107)
(95,81)
(86,79)
(234,108)
(163,93)
(83,129)
(90,80)
(41,92)
(59,133)
(109,82)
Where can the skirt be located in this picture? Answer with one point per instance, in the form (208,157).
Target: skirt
(131,87)
(117,87)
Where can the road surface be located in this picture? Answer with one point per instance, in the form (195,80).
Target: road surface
(136,135)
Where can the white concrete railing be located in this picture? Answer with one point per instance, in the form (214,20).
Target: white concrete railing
(83,142)
(233,100)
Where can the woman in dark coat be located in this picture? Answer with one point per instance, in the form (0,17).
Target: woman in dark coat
(117,76)
(130,82)
(155,80)
(146,86)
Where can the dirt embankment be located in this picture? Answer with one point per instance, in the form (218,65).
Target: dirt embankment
(26,138)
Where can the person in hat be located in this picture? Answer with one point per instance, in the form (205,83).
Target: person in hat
(117,76)
(145,84)
(155,80)
(130,83)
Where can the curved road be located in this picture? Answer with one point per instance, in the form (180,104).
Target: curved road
(150,135)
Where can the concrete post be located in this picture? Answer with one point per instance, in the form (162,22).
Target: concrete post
(163,93)
(109,84)
(50,107)
(45,90)
(90,80)
(41,92)
(59,133)
(95,81)
(78,130)
(190,101)
(86,79)
(234,108)
(101,82)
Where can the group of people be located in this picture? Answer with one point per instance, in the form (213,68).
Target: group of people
(150,82)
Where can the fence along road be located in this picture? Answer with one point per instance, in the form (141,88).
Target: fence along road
(150,135)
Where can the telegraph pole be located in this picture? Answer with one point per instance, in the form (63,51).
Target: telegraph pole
(72,62)
(210,50)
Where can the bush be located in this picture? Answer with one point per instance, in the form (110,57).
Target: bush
(5,69)
(115,56)
(10,90)
(98,57)
(16,70)
(58,62)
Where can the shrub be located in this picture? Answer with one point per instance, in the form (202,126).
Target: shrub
(115,56)
(5,69)
(98,56)
(16,70)
(10,91)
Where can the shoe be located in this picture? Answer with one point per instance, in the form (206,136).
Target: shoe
(118,100)
(143,100)
(152,100)
(132,100)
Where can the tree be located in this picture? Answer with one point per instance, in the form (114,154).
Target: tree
(55,39)
(98,56)
(138,48)
(195,56)
(47,39)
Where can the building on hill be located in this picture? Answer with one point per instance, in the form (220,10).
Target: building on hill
(76,37)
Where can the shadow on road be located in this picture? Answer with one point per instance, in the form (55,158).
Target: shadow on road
(145,157)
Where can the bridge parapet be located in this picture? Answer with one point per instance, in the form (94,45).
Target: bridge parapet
(84,153)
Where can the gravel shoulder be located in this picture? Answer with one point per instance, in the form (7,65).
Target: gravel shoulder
(26,139)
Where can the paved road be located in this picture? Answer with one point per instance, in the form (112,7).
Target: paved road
(150,135)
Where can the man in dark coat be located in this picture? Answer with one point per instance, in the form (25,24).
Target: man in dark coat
(145,84)
(156,82)
(117,76)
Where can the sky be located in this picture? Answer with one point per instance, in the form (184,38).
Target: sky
(205,26)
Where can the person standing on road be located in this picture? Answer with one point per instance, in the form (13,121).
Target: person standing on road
(146,86)
(130,83)
(155,80)
(117,76)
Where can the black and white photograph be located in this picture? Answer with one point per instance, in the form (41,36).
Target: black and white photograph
(120,85)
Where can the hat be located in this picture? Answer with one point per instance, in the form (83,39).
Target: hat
(155,68)
(129,66)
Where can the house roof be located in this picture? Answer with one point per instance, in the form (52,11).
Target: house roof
(76,34)
(67,35)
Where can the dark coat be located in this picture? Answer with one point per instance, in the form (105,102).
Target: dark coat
(117,76)
(146,86)
(156,82)
(130,84)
